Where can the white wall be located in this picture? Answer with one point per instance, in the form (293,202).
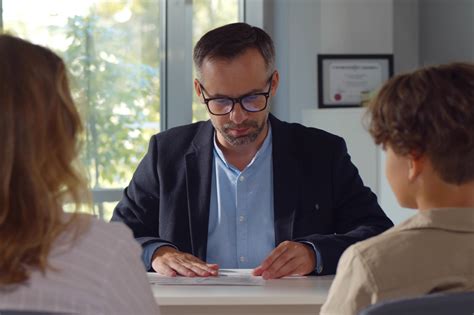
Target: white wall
(356,26)
(446,31)
(295,26)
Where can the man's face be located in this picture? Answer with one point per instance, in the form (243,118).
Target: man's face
(243,75)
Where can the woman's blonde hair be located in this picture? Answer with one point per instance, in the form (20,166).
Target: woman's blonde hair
(39,130)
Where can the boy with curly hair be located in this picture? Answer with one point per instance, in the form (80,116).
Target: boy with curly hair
(425,122)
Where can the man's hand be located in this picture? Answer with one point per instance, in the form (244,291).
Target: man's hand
(289,258)
(169,261)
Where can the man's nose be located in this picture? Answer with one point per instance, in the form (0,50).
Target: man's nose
(238,114)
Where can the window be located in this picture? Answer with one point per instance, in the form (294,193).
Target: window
(112,51)
(115,53)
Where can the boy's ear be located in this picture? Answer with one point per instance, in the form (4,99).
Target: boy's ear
(416,163)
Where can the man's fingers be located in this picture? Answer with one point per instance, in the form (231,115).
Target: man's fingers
(257,271)
(187,265)
(284,259)
(295,258)
(181,269)
(283,262)
(197,265)
(213,266)
(199,269)
(289,268)
(164,270)
(277,252)
(213,269)
(279,256)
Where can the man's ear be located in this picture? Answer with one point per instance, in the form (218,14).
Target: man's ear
(197,88)
(416,164)
(275,82)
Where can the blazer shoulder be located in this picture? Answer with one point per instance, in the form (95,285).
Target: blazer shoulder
(308,135)
(183,135)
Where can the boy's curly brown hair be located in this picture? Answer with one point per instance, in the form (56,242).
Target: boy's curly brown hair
(431,112)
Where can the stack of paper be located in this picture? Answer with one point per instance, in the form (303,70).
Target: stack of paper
(241,277)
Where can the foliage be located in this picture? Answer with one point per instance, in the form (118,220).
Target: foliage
(115,81)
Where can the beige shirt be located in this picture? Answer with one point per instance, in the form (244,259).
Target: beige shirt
(430,252)
(100,274)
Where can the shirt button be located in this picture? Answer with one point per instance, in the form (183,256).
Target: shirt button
(242,259)
(242,178)
(241,218)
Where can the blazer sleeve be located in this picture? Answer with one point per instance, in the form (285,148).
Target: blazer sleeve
(357,215)
(140,205)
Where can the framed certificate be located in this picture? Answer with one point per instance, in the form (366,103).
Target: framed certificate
(348,80)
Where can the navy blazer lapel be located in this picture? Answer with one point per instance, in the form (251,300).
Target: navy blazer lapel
(286,179)
(199,159)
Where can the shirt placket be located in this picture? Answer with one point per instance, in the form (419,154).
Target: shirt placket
(241,221)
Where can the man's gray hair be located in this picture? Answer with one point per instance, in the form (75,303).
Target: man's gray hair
(232,40)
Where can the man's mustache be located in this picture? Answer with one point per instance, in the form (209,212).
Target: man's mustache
(245,124)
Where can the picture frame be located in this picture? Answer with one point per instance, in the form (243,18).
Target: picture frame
(348,80)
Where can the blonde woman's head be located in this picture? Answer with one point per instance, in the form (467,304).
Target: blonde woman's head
(39,130)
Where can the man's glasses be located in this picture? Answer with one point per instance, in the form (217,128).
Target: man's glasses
(252,103)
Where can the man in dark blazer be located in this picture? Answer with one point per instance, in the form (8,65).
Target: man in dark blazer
(303,200)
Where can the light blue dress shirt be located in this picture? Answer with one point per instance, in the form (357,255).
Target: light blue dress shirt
(241,230)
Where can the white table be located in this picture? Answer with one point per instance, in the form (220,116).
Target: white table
(302,295)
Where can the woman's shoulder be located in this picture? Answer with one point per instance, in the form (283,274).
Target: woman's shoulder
(98,238)
(109,233)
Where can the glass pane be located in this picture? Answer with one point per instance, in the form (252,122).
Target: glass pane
(209,14)
(104,210)
(101,210)
(112,51)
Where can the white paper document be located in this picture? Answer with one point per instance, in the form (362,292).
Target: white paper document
(237,277)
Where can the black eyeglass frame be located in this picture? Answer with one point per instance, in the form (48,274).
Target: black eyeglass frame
(238,99)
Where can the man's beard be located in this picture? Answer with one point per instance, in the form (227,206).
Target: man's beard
(241,140)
